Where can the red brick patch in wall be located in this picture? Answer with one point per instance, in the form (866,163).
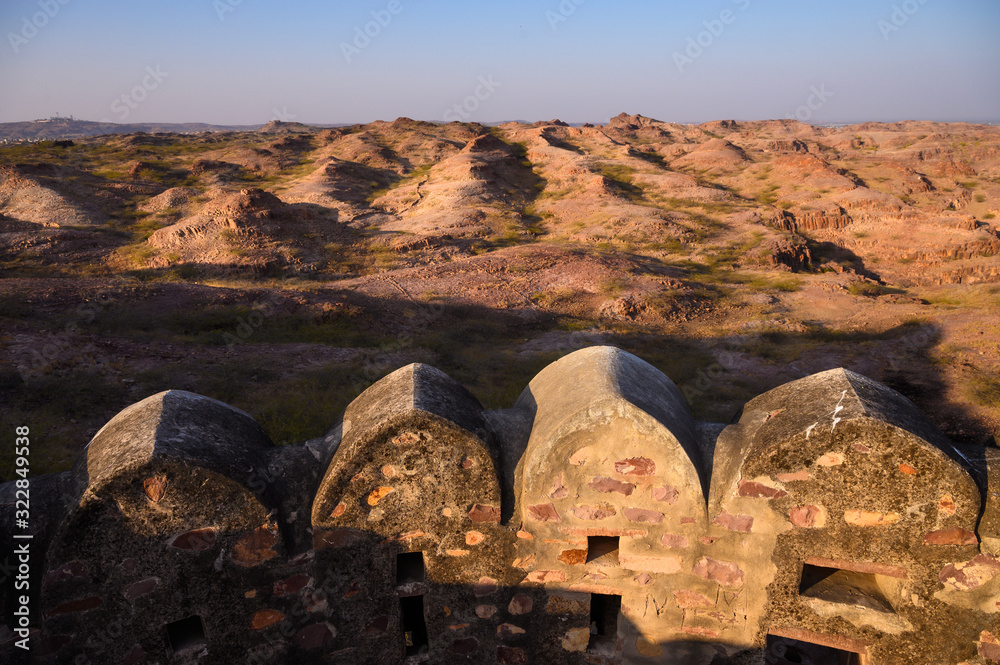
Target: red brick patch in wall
(64,572)
(738,523)
(988,646)
(545,576)
(609,485)
(755,490)
(520,604)
(722,572)
(256,547)
(666,494)
(335,538)
(970,575)
(265,619)
(74,606)
(674,541)
(642,515)
(545,512)
(291,585)
(486,586)
(953,536)
(142,588)
(807,517)
(636,466)
(593,513)
(506,631)
(484,514)
(196,540)
(154,488)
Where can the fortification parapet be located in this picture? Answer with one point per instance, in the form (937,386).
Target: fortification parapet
(593,522)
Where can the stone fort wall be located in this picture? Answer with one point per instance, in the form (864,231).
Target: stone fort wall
(594,522)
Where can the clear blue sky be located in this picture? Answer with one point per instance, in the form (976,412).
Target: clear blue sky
(248,61)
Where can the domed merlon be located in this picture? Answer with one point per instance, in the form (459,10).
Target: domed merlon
(565,397)
(815,406)
(171,496)
(416,387)
(179,426)
(417,417)
(843,484)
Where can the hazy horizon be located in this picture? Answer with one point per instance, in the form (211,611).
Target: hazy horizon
(241,62)
(491,123)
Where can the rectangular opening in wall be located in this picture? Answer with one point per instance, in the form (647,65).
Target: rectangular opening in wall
(410,568)
(845,587)
(185,634)
(411,613)
(604,548)
(604,611)
(787,651)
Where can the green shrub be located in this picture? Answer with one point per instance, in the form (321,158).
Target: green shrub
(866,289)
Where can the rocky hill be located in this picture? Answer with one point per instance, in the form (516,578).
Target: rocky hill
(257,266)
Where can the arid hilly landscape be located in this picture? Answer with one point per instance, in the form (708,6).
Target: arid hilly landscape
(284,270)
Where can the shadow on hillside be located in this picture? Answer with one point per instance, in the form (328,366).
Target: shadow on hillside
(295,363)
(832,252)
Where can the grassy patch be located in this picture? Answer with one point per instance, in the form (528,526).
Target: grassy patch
(866,289)
(614,286)
(767,196)
(55,407)
(203,322)
(985,390)
(652,157)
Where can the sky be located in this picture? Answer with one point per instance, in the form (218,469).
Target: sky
(323,62)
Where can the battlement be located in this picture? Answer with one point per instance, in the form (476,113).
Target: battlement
(593,522)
